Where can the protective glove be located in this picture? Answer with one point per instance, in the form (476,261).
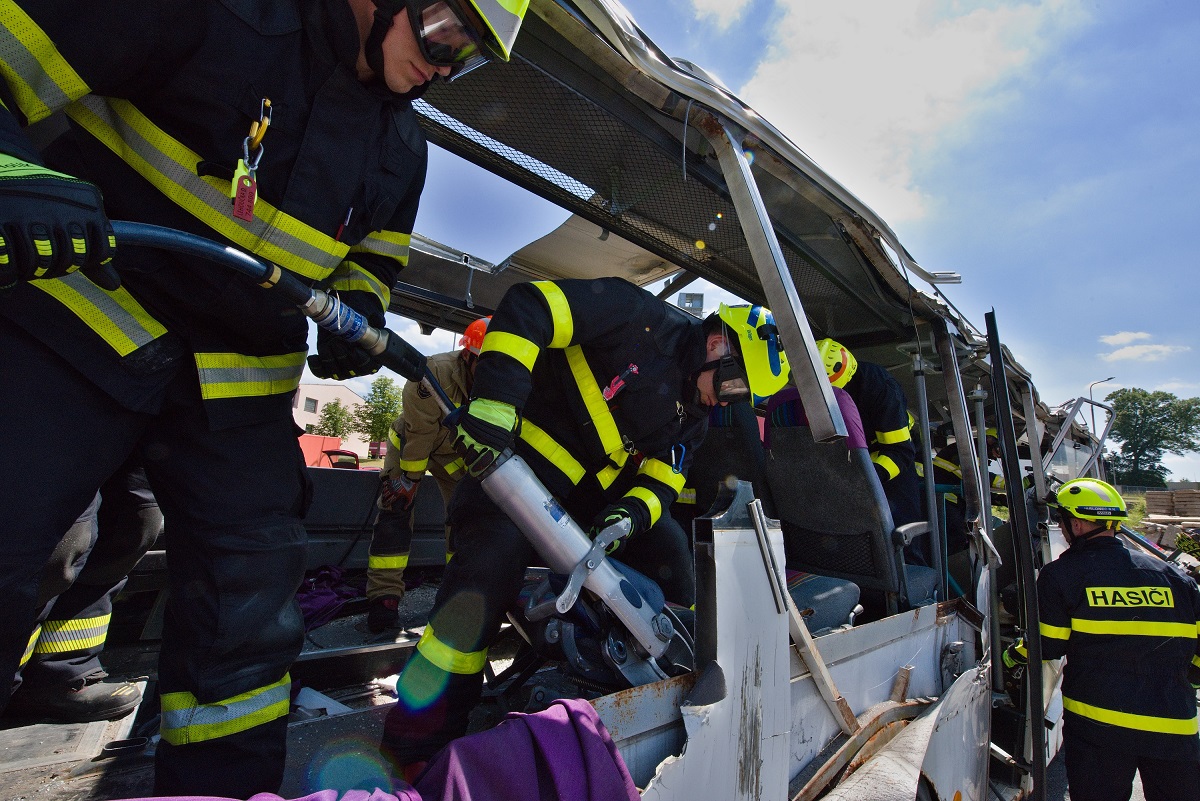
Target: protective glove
(1015,659)
(482,430)
(338,359)
(51,225)
(629,509)
(401,490)
(1016,655)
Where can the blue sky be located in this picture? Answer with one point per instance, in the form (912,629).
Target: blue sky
(1047,151)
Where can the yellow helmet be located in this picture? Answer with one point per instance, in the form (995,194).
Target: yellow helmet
(752,329)
(840,364)
(1090,499)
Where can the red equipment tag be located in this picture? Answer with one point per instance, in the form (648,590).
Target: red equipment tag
(243,200)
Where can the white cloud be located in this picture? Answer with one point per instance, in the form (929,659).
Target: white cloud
(1124,337)
(1145,353)
(1177,387)
(864,87)
(725,11)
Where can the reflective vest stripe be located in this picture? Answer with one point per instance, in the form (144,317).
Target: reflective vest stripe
(393,244)
(447,658)
(387,562)
(171,167)
(116,317)
(350,276)
(951,497)
(33,638)
(414,465)
(394,438)
(77,634)
(948,466)
(1021,649)
(1054,632)
(453,467)
(602,419)
(1141,628)
(40,78)
(892,437)
(650,499)
(552,452)
(688,495)
(235,375)
(1129,720)
(663,473)
(1196,660)
(887,464)
(511,345)
(186,720)
(560,313)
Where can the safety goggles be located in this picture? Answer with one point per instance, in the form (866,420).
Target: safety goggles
(729,379)
(446,37)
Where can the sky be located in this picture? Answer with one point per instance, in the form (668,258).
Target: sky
(1049,152)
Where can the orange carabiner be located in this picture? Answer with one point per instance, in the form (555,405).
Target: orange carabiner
(258,129)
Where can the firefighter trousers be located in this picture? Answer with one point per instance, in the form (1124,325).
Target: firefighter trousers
(391,539)
(233,501)
(1105,772)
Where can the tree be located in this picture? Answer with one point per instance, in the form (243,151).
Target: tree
(335,421)
(1149,425)
(373,417)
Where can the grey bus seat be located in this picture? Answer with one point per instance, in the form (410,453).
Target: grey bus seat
(836,521)
(824,602)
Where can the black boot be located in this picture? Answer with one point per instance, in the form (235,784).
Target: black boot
(89,699)
(382,613)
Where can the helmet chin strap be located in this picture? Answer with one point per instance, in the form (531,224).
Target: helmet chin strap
(1084,537)
(384,18)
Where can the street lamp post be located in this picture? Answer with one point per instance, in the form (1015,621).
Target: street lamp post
(1092,403)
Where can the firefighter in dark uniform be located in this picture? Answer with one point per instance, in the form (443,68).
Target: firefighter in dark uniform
(283,127)
(605,391)
(888,426)
(1127,623)
(418,443)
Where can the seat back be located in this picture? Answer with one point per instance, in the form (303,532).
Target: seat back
(833,512)
(731,450)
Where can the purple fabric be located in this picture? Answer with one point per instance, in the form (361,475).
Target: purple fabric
(324,795)
(563,752)
(323,594)
(854,428)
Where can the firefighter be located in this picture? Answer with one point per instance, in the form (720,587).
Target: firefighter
(604,390)
(283,128)
(888,426)
(417,442)
(61,677)
(1127,623)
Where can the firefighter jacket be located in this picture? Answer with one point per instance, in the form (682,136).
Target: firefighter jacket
(601,373)
(160,98)
(946,470)
(885,418)
(417,436)
(1127,623)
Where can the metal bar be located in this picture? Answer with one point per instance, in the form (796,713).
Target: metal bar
(1033,432)
(806,649)
(958,416)
(1048,457)
(937,533)
(681,279)
(808,370)
(759,521)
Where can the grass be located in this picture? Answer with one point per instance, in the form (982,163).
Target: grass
(1136,506)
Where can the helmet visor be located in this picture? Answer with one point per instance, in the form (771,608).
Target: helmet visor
(445,36)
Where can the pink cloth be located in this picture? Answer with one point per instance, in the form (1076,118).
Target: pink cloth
(854,428)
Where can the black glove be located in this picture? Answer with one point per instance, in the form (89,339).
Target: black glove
(482,430)
(338,359)
(52,225)
(627,508)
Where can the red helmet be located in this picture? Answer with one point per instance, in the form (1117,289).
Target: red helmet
(472,338)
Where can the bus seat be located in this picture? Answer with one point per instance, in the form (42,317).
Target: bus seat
(732,448)
(825,603)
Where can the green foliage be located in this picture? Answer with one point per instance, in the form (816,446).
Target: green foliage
(1149,425)
(1135,505)
(374,416)
(335,421)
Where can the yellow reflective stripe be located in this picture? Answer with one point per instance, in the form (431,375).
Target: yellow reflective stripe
(1021,649)
(414,465)
(688,495)
(560,313)
(77,634)
(887,464)
(447,658)
(1129,720)
(606,426)
(663,473)
(394,438)
(511,345)
(171,167)
(458,464)
(387,562)
(186,720)
(392,244)
(236,375)
(947,465)
(115,317)
(950,497)
(1139,628)
(33,638)
(1054,632)
(650,499)
(41,80)
(350,276)
(892,437)
(1196,660)
(551,451)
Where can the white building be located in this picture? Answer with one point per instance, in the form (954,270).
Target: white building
(311,399)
